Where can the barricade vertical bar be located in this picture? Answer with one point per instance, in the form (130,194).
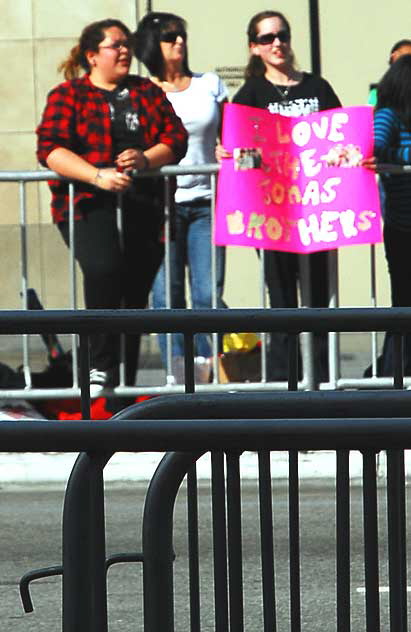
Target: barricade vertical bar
(193,557)
(73,280)
(192,501)
(120,231)
(84,574)
(398,346)
(212,245)
(307,339)
(85,376)
(189,363)
(397,540)
(76,538)
(267,544)
(98,543)
(293,499)
(24,282)
(167,276)
(292,362)
(333,336)
(294,535)
(264,345)
(235,556)
(343,541)
(219,542)
(372,600)
(373,304)
(214,277)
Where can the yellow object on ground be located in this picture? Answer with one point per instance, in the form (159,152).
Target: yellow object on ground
(239,342)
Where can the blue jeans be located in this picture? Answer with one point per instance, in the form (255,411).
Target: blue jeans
(191,248)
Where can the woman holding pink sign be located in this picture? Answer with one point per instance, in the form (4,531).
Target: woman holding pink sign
(273,82)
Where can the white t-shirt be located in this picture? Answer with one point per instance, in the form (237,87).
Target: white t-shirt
(198,108)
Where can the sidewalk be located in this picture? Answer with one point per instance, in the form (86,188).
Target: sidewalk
(25,469)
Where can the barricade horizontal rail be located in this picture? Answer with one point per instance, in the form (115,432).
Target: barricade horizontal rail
(47,174)
(206,434)
(317,320)
(168,170)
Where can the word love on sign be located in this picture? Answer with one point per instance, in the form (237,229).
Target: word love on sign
(296,184)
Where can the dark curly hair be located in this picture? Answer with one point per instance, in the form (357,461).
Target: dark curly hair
(90,39)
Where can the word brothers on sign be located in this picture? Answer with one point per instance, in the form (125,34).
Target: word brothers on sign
(325,228)
(297,184)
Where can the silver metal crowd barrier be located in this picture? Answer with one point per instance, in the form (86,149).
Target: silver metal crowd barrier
(336,381)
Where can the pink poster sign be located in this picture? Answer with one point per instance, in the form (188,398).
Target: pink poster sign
(295,184)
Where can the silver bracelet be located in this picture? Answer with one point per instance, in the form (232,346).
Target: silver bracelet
(97,178)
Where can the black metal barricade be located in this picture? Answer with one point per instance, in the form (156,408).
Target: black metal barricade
(84,603)
(191,425)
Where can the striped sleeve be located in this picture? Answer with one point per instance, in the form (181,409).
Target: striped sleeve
(392,142)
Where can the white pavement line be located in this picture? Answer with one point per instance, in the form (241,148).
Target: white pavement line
(382,589)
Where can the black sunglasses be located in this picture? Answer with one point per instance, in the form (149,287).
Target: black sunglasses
(171,36)
(269,38)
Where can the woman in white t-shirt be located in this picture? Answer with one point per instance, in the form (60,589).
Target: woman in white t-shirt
(161,44)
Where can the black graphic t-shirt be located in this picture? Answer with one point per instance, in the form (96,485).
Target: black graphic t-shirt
(127,134)
(312,94)
(125,124)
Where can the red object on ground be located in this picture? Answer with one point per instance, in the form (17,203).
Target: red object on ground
(69,409)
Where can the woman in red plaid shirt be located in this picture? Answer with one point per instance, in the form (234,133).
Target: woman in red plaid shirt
(97,129)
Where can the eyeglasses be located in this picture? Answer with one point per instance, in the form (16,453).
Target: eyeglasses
(171,36)
(119,44)
(269,38)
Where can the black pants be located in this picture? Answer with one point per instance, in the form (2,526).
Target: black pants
(281,277)
(116,275)
(397,244)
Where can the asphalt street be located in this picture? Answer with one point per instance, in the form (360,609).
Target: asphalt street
(30,528)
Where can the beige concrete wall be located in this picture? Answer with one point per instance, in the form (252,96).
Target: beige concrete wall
(35,35)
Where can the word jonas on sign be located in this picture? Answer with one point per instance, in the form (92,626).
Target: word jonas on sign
(297,184)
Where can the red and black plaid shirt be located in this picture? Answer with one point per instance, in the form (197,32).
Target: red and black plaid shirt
(77,117)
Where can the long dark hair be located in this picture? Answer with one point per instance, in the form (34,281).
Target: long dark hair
(394,90)
(255,66)
(147,40)
(397,46)
(90,38)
